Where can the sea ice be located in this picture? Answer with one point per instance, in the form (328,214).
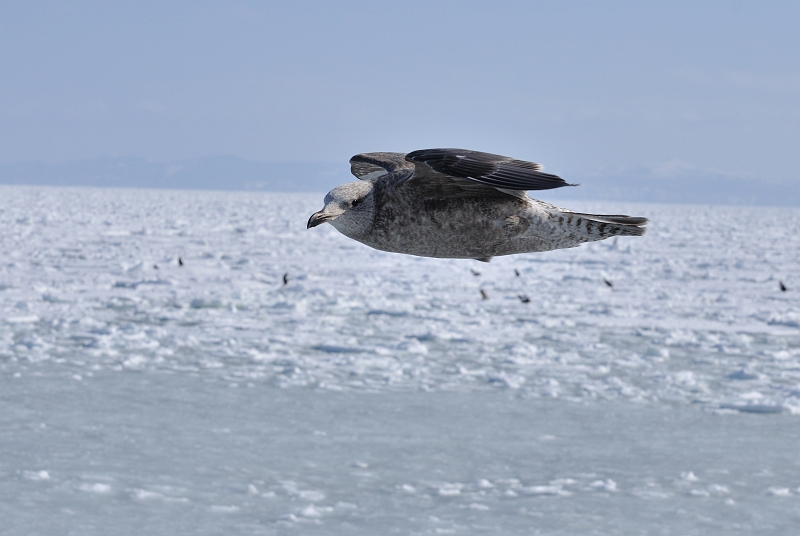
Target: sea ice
(154,334)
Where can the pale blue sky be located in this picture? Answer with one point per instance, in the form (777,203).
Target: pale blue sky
(587,88)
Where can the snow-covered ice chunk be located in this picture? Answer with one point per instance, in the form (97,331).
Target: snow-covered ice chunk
(225,508)
(779,491)
(311,495)
(97,487)
(450,490)
(35,476)
(604,485)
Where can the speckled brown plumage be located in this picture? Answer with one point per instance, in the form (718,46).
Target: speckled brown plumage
(451,203)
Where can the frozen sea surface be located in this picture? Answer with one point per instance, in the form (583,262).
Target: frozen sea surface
(379,393)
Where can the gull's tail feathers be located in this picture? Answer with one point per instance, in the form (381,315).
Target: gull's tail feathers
(601,226)
(621,224)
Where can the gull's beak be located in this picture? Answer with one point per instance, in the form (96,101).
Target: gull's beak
(319,218)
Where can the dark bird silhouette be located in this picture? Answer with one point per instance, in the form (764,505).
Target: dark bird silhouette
(783,287)
(523,298)
(476,273)
(516,272)
(180,261)
(155,267)
(608,283)
(286,279)
(484,295)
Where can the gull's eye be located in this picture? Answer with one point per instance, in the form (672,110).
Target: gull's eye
(356,202)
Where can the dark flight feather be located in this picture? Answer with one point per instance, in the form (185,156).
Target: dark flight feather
(490,169)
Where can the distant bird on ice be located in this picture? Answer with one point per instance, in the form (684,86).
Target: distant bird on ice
(285,279)
(783,287)
(608,283)
(453,203)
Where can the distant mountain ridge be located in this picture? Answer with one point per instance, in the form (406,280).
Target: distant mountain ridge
(685,186)
(671,183)
(209,173)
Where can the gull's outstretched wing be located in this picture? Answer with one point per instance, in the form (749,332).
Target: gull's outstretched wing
(492,170)
(368,166)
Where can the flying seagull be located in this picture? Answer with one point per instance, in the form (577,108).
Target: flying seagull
(453,203)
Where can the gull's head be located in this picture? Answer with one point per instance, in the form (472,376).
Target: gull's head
(348,207)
